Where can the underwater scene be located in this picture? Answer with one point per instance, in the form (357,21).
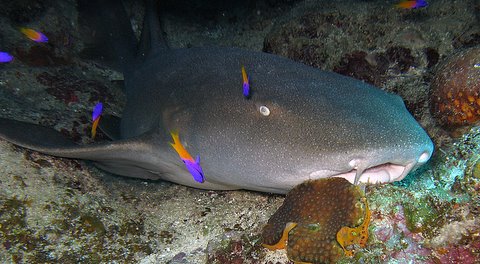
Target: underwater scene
(262,132)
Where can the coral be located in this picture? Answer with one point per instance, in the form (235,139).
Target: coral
(319,209)
(350,236)
(467,254)
(398,244)
(455,90)
(476,170)
(425,213)
(453,233)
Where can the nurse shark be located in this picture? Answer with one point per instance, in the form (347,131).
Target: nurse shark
(298,122)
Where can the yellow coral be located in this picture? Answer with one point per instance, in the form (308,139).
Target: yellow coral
(283,241)
(348,236)
(308,221)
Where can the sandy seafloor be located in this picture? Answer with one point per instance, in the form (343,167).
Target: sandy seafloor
(55,210)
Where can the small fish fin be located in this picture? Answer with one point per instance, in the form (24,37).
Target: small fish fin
(179,148)
(197,160)
(132,157)
(176,144)
(94,127)
(110,126)
(175,137)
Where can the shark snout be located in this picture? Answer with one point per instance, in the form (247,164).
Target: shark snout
(414,157)
(422,150)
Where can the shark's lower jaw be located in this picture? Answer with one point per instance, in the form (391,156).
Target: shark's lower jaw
(383,173)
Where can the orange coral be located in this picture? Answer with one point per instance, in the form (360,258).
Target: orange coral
(349,236)
(309,219)
(283,240)
(455,89)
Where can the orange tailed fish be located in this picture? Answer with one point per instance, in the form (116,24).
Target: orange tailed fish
(412,4)
(193,166)
(34,35)
(97,112)
(246,84)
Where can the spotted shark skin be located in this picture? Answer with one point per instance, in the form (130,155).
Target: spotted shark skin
(319,124)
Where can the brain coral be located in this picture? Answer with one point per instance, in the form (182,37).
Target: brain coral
(455,89)
(314,215)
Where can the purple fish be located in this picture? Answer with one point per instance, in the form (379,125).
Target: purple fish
(97,111)
(412,4)
(195,169)
(246,83)
(246,90)
(5,57)
(34,35)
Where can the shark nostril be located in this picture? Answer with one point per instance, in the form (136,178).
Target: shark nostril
(264,110)
(424,157)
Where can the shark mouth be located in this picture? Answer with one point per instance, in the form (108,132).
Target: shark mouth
(383,173)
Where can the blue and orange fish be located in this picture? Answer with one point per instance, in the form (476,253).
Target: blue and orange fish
(412,4)
(5,57)
(34,35)
(246,84)
(193,166)
(96,114)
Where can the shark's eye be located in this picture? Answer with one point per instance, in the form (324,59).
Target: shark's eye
(264,110)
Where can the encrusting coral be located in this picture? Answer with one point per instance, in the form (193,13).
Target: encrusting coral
(455,89)
(320,221)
